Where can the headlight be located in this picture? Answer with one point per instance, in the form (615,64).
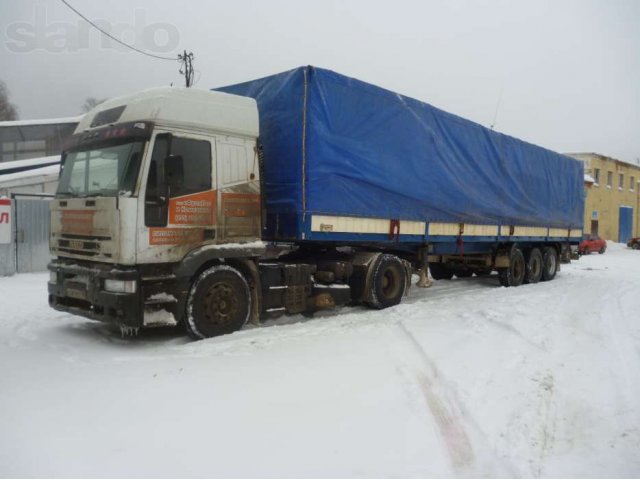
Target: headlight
(120,286)
(53,277)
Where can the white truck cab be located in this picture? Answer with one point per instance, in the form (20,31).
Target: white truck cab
(145,180)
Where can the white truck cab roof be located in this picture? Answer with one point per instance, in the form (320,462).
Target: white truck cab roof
(177,107)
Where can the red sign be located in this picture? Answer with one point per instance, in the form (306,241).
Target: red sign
(5,220)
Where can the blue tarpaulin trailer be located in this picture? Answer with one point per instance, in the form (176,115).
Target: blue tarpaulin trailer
(345,160)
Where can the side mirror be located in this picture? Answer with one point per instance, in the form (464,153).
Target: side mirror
(174,170)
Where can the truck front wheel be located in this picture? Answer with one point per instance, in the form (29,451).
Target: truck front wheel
(219,303)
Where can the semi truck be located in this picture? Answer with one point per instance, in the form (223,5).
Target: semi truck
(290,194)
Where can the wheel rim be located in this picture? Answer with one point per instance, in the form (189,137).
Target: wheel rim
(221,304)
(536,267)
(390,283)
(551,264)
(518,269)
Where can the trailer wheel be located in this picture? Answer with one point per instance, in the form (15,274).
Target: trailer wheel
(219,303)
(439,271)
(482,272)
(388,282)
(534,266)
(513,276)
(464,273)
(549,263)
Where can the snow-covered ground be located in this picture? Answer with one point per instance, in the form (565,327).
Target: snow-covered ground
(463,379)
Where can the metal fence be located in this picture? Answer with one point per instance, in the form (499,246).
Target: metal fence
(29,247)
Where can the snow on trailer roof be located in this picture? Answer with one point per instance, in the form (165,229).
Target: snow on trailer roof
(179,107)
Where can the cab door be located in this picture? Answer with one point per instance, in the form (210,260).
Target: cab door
(179,200)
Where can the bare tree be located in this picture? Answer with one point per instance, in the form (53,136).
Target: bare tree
(8,111)
(91,102)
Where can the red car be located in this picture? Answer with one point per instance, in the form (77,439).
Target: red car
(592,243)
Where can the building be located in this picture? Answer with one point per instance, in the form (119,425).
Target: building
(40,178)
(30,154)
(612,204)
(29,166)
(26,139)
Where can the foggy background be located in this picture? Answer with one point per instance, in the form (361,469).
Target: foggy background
(562,74)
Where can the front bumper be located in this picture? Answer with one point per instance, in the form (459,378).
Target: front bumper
(80,290)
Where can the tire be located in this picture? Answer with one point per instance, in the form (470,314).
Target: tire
(602,250)
(549,263)
(513,276)
(219,302)
(464,273)
(439,271)
(534,266)
(482,272)
(388,282)
(636,246)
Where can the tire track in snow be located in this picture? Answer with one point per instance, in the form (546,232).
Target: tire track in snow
(546,411)
(449,424)
(446,410)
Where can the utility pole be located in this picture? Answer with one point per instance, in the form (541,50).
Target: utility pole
(186,67)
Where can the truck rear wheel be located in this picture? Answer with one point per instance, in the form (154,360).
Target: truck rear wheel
(534,266)
(219,303)
(439,271)
(513,276)
(549,263)
(388,282)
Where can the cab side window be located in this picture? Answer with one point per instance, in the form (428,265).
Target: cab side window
(196,155)
(196,161)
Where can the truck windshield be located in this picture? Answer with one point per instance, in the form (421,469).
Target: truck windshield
(101,171)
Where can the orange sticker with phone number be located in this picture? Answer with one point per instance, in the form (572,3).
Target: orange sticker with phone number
(195,209)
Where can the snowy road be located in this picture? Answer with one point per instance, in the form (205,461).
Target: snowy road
(463,379)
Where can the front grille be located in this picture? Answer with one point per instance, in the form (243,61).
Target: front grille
(85,237)
(87,245)
(79,245)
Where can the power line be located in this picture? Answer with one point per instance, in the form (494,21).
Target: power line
(495,115)
(117,39)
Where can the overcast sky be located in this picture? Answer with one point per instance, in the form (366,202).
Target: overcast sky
(561,74)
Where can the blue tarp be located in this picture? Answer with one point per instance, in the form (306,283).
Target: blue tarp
(338,146)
